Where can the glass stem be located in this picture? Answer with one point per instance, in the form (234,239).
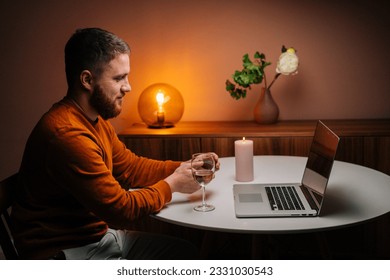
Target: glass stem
(203,196)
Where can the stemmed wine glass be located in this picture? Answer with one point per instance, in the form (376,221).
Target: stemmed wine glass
(203,168)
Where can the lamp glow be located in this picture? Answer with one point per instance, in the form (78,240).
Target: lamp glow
(160,105)
(160,99)
(160,112)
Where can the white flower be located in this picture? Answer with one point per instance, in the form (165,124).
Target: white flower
(288,63)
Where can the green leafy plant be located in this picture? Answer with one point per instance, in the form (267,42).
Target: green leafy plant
(253,72)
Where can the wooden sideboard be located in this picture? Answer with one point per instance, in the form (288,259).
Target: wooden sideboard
(364,142)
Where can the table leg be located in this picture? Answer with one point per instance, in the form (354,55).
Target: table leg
(207,242)
(323,245)
(263,247)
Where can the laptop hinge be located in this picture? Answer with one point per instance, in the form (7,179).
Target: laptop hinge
(313,204)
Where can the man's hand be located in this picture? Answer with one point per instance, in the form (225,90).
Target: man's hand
(182,180)
(216,160)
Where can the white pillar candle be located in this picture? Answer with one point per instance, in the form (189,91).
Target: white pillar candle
(243,150)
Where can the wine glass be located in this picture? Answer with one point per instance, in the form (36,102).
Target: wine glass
(203,168)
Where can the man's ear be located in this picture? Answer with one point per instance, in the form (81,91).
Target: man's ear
(86,79)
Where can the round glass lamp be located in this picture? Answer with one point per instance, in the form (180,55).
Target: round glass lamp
(160,105)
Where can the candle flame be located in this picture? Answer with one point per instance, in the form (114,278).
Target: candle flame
(243,138)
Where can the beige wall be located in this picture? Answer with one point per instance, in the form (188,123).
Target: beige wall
(195,45)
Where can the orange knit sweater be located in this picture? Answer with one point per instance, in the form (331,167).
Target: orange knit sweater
(75,176)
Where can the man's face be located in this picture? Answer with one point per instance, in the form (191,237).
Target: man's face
(111,86)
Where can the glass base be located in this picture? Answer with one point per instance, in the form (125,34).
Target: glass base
(204,208)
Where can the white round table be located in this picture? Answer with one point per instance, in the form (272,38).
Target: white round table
(355,194)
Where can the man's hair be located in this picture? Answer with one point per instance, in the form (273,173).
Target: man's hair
(91,49)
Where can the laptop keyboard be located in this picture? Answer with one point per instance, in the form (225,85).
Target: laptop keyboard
(284,198)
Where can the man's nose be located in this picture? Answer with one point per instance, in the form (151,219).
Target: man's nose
(126,87)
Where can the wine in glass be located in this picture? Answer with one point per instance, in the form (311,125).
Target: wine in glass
(203,168)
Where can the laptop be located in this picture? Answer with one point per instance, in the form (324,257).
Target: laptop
(303,199)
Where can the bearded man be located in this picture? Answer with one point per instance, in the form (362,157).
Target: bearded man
(74,199)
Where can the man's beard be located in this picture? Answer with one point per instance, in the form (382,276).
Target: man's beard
(105,107)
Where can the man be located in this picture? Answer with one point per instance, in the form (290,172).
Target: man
(74,200)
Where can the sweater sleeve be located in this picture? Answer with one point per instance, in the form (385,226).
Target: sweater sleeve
(88,167)
(133,171)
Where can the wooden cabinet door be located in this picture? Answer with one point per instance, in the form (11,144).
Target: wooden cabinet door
(163,148)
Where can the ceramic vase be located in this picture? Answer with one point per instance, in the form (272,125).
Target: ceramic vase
(266,110)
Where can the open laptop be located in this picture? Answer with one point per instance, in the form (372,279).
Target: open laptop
(292,199)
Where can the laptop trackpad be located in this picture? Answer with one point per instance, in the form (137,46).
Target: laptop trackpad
(250,197)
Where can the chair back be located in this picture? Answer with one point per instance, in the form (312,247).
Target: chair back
(7,191)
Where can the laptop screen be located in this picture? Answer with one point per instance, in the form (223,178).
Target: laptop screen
(319,163)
